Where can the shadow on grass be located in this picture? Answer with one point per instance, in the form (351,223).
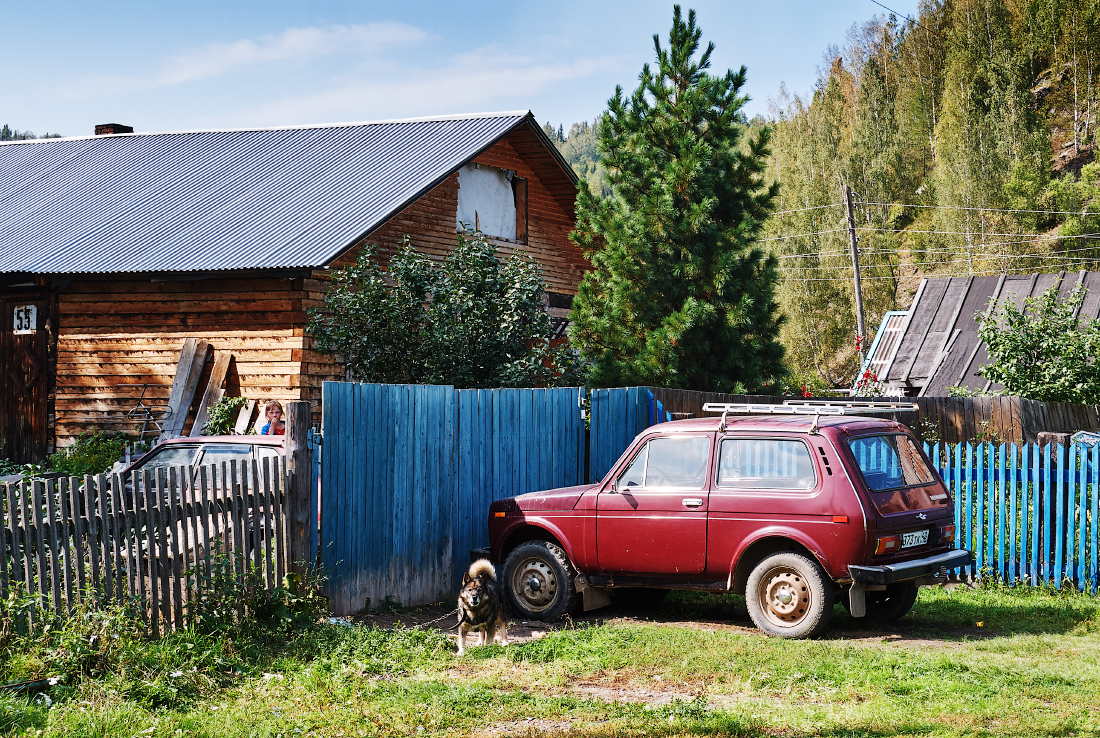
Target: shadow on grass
(959,614)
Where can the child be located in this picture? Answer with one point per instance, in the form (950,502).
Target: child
(275,425)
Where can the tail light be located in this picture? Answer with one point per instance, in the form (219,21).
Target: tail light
(947,534)
(887,544)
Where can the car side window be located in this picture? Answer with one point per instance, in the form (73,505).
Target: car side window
(765,463)
(634,476)
(217,453)
(678,462)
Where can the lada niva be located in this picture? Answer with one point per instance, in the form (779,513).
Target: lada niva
(794,509)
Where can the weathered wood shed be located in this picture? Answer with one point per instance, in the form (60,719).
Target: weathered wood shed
(116,248)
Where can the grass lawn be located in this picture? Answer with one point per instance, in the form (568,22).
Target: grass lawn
(964,662)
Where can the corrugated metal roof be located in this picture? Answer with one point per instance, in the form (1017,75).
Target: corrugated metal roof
(940,347)
(219,200)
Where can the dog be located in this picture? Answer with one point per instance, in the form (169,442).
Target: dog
(480,607)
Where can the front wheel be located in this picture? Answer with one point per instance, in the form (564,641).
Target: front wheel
(789,595)
(539,581)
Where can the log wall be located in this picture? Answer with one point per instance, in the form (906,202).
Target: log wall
(118,335)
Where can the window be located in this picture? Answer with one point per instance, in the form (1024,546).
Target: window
(678,462)
(765,463)
(217,453)
(890,462)
(170,456)
(493,201)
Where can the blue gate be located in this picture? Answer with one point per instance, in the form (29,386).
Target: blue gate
(408,472)
(617,416)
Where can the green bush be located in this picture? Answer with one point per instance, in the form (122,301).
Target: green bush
(223,416)
(91,453)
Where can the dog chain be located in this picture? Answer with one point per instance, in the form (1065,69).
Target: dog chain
(430,622)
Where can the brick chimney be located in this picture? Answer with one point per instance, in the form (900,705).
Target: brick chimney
(106,129)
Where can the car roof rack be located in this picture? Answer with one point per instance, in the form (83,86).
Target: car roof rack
(816,408)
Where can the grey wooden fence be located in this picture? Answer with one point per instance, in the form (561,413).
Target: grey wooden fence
(150,541)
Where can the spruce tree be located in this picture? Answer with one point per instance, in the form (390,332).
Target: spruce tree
(679,295)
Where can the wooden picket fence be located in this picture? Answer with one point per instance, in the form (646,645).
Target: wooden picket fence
(1029,514)
(152,541)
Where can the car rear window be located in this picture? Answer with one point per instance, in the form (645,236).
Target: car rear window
(890,462)
(765,463)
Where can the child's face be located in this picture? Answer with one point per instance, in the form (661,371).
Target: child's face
(273,414)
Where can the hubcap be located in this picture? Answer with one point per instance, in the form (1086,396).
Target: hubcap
(784,596)
(534,584)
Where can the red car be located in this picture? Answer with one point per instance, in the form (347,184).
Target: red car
(792,511)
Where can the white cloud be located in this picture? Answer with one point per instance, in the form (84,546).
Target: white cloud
(483,77)
(294,45)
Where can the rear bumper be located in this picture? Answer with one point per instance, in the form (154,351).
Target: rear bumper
(906,570)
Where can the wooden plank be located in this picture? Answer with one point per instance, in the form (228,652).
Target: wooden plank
(253,521)
(14,538)
(148,519)
(93,530)
(191,361)
(79,513)
(268,521)
(240,561)
(171,528)
(214,391)
(50,555)
(7,545)
(209,526)
(244,417)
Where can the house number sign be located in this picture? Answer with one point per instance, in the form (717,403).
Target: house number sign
(26,319)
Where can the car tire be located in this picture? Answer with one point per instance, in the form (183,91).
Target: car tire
(887,606)
(789,595)
(539,581)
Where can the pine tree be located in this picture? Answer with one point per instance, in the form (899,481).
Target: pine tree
(679,294)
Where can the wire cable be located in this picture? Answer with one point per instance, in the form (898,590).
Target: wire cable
(983,210)
(803,210)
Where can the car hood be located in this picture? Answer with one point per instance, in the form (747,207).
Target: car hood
(564,498)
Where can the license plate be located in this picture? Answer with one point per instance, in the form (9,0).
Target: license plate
(916,538)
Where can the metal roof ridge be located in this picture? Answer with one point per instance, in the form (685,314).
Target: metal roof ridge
(308,126)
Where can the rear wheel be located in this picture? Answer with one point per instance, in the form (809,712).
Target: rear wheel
(889,605)
(539,581)
(789,595)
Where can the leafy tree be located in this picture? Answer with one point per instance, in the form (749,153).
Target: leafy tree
(1044,351)
(473,321)
(679,295)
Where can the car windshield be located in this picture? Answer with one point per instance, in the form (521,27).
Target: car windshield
(890,462)
(169,456)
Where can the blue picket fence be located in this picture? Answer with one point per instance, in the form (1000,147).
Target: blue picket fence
(408,472)
(1028,514)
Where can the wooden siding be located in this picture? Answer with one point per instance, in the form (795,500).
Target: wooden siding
(118,335)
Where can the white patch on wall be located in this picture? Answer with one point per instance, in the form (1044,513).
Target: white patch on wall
(485,199)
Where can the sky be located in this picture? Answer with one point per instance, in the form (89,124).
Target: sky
(169,66)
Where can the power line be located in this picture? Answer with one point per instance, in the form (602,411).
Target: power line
(974,233)
(960,252)
(903,15)
(802,235)
(803,210)
(977,273)
(984,210)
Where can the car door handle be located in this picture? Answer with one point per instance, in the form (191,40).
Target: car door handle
(692,501)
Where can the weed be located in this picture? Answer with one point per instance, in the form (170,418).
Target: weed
(91,453)
(223,416)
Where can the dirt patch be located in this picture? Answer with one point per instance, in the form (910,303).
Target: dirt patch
(532,726)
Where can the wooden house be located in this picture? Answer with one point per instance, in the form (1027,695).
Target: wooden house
(114,248)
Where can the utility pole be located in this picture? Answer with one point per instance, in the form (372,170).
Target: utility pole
(855,272)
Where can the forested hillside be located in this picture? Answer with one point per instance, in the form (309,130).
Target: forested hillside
(11,134)
(967,135)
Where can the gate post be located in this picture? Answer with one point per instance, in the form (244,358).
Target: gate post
(300,483)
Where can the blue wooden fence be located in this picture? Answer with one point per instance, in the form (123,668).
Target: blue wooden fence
(1029,514)
(616,417)
(408,472)
(387,485)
